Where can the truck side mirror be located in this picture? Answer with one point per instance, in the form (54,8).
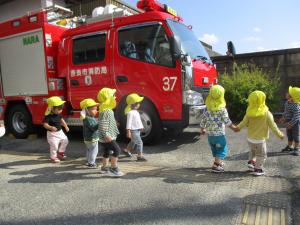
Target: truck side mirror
(176,47)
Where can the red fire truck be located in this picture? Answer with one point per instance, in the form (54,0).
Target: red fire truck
(151,53)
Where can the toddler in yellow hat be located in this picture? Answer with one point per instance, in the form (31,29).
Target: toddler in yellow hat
(53,123)
(108,131)
(90,130)
(213,122)
(291,117)
(134,126)
(258,120)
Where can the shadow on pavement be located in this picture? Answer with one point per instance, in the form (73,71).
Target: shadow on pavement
(76,147)
(68,171)
(153,214)
(245,155)
(190,175)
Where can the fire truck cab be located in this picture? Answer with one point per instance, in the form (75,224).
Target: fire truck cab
(151,53)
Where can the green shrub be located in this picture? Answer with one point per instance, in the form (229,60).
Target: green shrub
(242,81)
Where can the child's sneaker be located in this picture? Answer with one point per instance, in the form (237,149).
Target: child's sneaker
(116,172)
(104,170)
(61,155)
(258,172)
(55,160)
(141,159)
(296,152)
(216,164)
(218,168)
(287,149)
(92,165)
(251,164)
(127,154)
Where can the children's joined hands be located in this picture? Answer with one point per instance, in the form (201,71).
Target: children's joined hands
(235,128)
(281,120)
(202,131)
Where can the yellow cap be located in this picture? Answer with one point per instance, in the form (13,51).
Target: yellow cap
(88,102)
(215,100)
(257,104)
(132,99)
(295,94)
(107,99)
(53,101)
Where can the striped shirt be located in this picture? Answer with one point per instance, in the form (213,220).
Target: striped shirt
(107,126)
(291,113)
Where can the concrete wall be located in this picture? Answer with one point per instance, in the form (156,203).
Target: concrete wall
(287,61)
(17,8)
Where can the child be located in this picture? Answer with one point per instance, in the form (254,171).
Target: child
(108,131)
(134,126)
(90,130)
(258,119)
(214,120)
(53,122)
(291,117)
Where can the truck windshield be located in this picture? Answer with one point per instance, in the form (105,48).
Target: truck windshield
(189,43)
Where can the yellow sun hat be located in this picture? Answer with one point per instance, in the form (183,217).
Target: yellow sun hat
(84,104)
(295,94)
(53,101)
(256,104)
(215,100)
(88,102)
(106,96)
(132,99)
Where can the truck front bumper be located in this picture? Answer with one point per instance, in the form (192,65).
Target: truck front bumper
(194,114)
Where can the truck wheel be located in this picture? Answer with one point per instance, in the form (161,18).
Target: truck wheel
(152,124)
(19,121)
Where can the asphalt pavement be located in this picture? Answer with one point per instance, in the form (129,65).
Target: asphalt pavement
(175,185)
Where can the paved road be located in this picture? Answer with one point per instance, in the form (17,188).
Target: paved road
(174,187)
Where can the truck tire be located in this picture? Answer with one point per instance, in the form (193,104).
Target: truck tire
(19,121)
(152,125)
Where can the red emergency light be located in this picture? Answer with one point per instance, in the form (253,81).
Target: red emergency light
(154,5)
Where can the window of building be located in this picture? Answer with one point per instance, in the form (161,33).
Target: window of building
(148,43)
(89,49)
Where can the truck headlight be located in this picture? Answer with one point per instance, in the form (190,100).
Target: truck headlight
(192,98)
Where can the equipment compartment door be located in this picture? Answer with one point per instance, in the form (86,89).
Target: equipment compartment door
(22,59)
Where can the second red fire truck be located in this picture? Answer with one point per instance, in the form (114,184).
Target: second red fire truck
(152,53)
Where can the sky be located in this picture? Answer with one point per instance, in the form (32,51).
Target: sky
(252,25)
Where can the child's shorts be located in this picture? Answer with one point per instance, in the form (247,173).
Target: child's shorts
(293,133)
(218,145)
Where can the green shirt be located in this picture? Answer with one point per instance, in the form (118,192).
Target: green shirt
(90,129)
(258,127)
(107,126)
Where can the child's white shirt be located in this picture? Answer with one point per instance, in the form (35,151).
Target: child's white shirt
(134,121)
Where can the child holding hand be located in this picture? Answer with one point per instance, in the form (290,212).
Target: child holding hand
(213,123)
(108,131)
(258,120)
(291,117)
